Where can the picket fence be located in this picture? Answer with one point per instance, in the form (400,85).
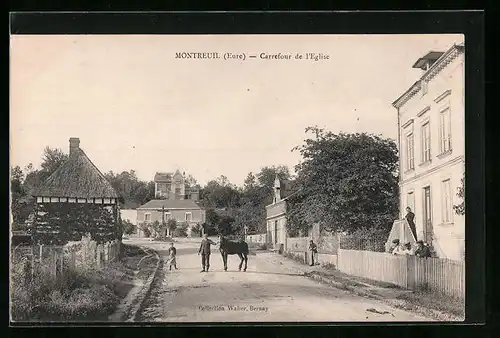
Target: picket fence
(60,259)
(431,274)
(257,238)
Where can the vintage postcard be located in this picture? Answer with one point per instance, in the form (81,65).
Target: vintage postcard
(237,178)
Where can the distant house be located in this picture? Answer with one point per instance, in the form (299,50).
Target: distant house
(183,211)
(173,186)
(431,123)
(276,213)
(76,199)
(129,215)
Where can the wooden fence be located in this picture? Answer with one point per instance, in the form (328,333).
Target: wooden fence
(326,244)
(374,265)
(257,238)
(414,273)
(59,259)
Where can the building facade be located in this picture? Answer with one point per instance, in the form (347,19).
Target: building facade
(276,215)
(173,186)
(183,211)
(431,134)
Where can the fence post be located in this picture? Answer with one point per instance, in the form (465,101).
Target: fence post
(72,260)
(32,265)
(54,264)
(98,256)
(62,262)
(106,252)
(40,256)
(410,272)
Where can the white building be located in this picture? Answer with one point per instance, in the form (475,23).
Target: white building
(432,150)
(129,215)
(174,186)
(276,214)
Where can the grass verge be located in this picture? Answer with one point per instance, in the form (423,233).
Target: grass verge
(400,297)
(433,301)
(82,294)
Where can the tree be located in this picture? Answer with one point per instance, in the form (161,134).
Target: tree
(52,159)
(171,225)
(224,227)
(128,228)
(217,195)
(222,181)
(267,175)
(145,229)
(158,229)
(181,230)
(134,191)
(345,182)
(212,217)
(460,208)
(250,182)
(24,184)
(17,193)
(190,180)
(196,230)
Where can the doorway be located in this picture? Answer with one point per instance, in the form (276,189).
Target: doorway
(275,232)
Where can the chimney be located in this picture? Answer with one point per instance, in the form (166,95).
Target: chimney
(74,144)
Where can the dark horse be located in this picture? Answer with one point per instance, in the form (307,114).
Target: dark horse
(228,247)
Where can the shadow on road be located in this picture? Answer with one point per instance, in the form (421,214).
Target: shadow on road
(243,272)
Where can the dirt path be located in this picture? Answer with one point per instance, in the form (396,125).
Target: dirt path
(266,292)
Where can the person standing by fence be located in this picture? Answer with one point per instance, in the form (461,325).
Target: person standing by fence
(422,250)
(394,245)
(314,252)
(410,218)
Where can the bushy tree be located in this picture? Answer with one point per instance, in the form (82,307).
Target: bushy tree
(196,230)
(171,225)
(25,182)
(181,230)
(145,229)
(267,175)
(219,194)
(134,191)
(157,229)
(52,159)
(128,227)
(224,227)
(345,182)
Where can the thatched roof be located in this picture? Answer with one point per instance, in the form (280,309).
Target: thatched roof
(78,177)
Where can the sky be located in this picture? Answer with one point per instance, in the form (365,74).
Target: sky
(135,106)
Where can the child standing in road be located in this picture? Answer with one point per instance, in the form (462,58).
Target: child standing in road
(172,251)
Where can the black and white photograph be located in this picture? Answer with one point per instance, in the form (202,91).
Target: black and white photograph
(237,178)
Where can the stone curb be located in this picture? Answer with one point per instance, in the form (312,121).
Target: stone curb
(136,299)
(426,312)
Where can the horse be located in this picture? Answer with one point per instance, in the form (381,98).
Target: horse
(227,247)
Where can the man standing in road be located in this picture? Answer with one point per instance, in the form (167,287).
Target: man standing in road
(205,252)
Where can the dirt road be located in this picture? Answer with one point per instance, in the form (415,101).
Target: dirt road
(266,292)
